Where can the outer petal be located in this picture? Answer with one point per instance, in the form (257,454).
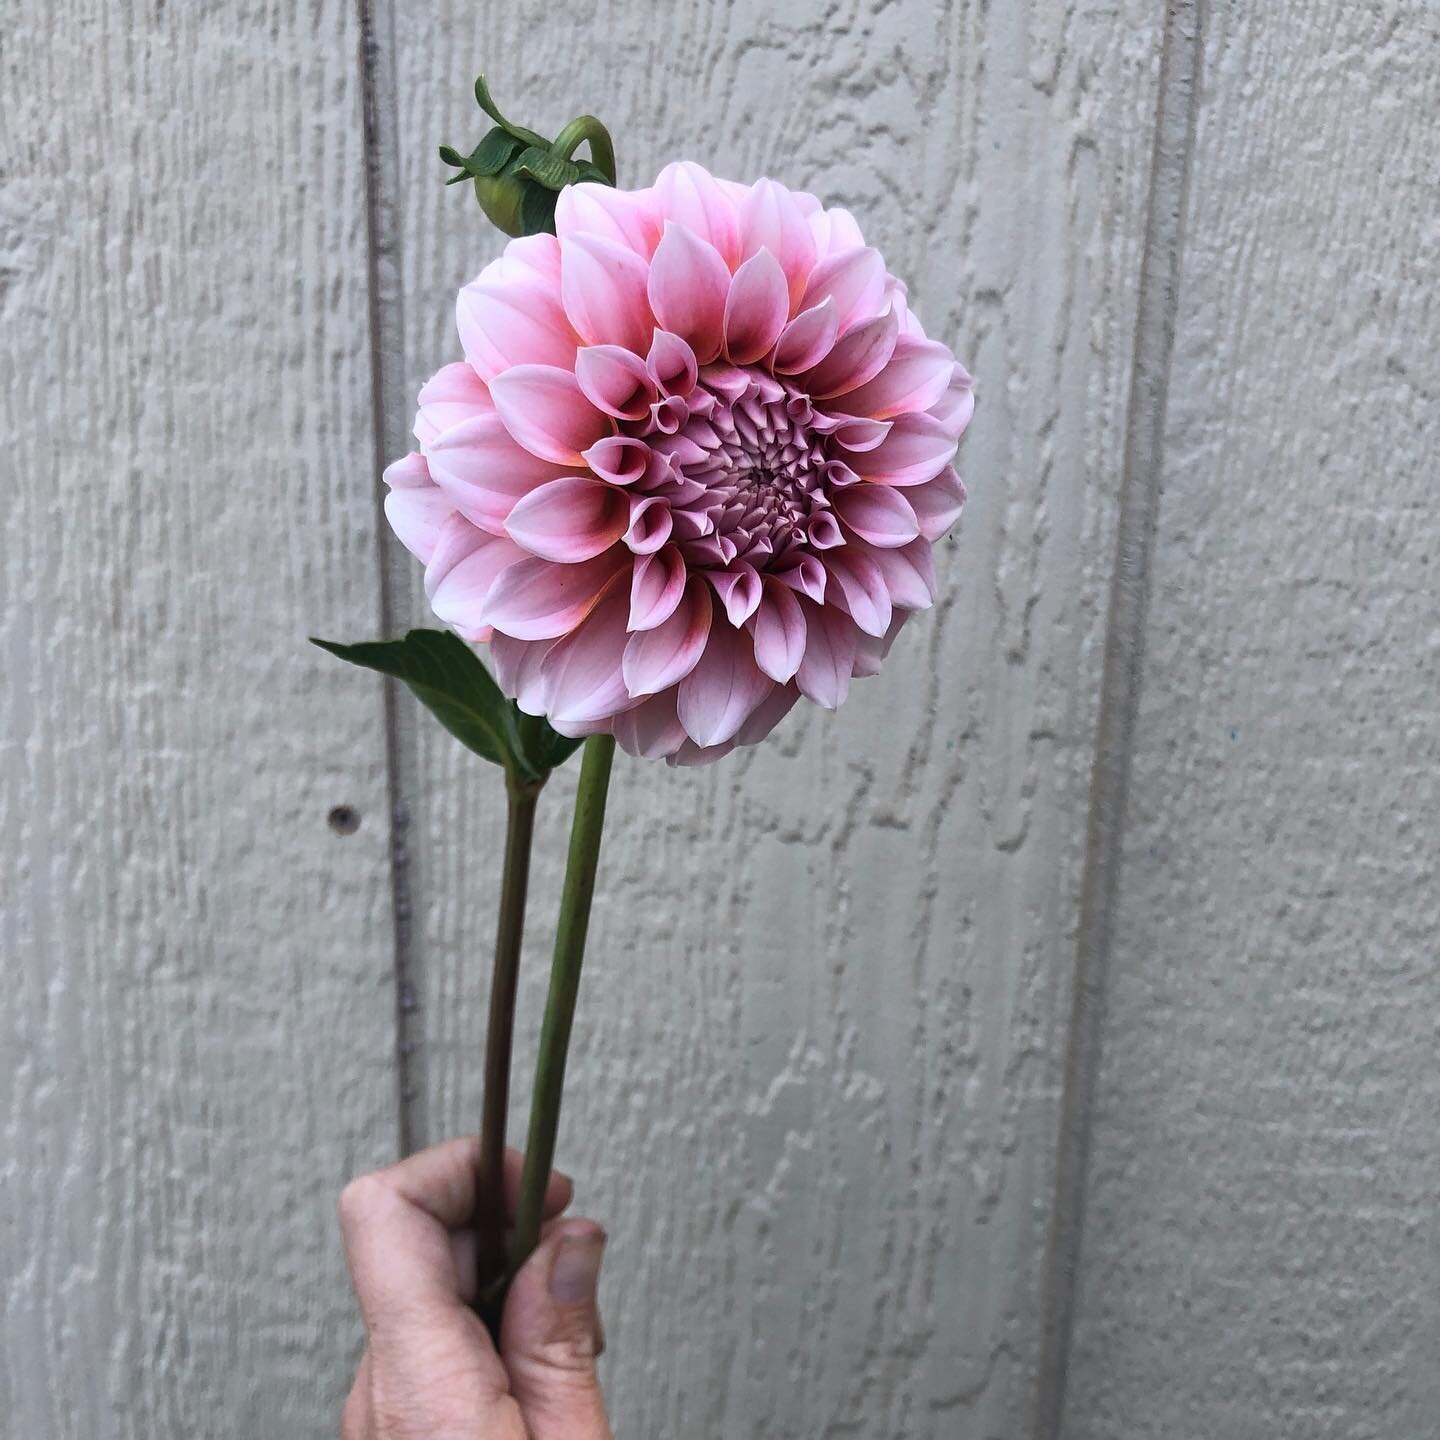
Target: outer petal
(545,411)
(835,231)
(627,216)
(658,658)
(483,471)
(574,518)
(539,600)
(915,378)
(416,507)
(652,729)
(517,666)
(858,355)
(458,593)
(876,513)
(858,587)
(512,315)
(937,503)
(689,283)
(603,285)
(779,631)
(688,194)
(772,218)
(807,339)
(917,449)
(824,673)
(582,676)
(756,309)
(454,393)
(721,693)
(768,714)
(909,574)
(854,280)
(957,405)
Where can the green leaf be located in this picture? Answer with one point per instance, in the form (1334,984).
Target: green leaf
(488,105)
(446,676)
(552,171)
(546,746)
(537,210)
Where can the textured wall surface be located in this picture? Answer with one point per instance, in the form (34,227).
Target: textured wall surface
(1262,1243)
(820,1093)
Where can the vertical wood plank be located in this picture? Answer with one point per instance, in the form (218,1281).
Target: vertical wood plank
(196,1039)
(1261,1246)
(815,1089)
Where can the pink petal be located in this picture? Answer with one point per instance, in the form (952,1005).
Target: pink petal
(876,513)
(662,656)
(779,631)
(955,407)
(545,411)
(739,590)
(858,355)
(649,524)
(458,591)
(768,714)
(627,216)
(483,471)
(858,587)
(756,309)
(688,194)
(603,286)
(834,231)
(909,574)
(540,600)
(518,673)
(870,650)
(824,674)
(807,339)
(854,280)
(914,378)
(689,282)
(454,393)
(651,730)
(512,314)
(656,586)
(692,754)
(937,503)
(808,578)
(723,690)
(619,459)
(671,364)
(415,507)
(917,449)
(858,433)
(772,218)
(582,677)
(570,519)
(615,380)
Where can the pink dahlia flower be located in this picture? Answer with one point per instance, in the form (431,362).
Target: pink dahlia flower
(691,467)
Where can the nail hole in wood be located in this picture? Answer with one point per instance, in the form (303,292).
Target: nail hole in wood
(344,819)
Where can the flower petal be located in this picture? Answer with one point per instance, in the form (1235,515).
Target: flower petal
(603,285)
(857,356)
(651,730)
(768,714)
(582,677)
(721,693)
(779,631)
(757,308)
(618,459)
(824,674)
(671,364)
(807,339)
(517,665)
(914,378)
(858,587)
(539,600)
(688,194)
(937,503)
(955,407)
(739,590)
(573,518)
(416,507)
(459,590)
(917,449)
(772,218)
(876,513)
(656,586)
(511,314)
(454,393)
(688,285)
(627,216)
(649,524)
(484,472)
(545,411)
(665,654)
(615,380)
(854,280)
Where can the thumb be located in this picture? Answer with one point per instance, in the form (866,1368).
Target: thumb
(549,1335)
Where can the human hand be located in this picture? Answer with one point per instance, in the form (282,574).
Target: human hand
(430,1370)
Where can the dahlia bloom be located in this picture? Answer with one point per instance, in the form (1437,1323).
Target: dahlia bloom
(691,467)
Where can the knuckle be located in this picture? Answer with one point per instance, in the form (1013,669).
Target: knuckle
(357,1200)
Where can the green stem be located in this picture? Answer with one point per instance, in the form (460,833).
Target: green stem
(579,889)
(490,1207)
(581,129)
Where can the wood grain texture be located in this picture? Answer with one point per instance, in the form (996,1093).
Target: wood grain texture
(1262,1252)
(814,1093)
(195,1049)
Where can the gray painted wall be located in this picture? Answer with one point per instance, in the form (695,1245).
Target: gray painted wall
(1043,1045)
